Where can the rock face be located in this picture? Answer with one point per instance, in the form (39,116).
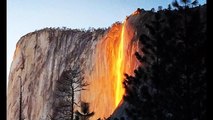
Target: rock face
(39,59)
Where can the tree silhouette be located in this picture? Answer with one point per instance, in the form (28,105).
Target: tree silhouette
(160,8)
(186,3)
(20,99)
(153,10)
(70,83)
(169,7)
(173,59)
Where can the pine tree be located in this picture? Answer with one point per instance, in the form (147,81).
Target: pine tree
(70,83)
(169,7)
(167,85)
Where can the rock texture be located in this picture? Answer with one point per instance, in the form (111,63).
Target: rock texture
(39,59)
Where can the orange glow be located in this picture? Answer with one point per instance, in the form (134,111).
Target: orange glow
(138,11)
(113,56)
(120,68)
(17,51)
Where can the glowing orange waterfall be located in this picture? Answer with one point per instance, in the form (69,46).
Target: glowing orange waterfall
(120,68)
(113,56)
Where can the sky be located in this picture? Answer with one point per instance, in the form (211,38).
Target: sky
(24,16)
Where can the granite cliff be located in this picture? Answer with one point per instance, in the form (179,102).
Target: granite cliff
(41,57)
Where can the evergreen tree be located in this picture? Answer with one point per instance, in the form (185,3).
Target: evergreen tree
(160,8)
(169,7)
(153,10)
(171,84)
(70,83)
(186,3)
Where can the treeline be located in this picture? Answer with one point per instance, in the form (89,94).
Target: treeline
(171,83)
(68,30)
